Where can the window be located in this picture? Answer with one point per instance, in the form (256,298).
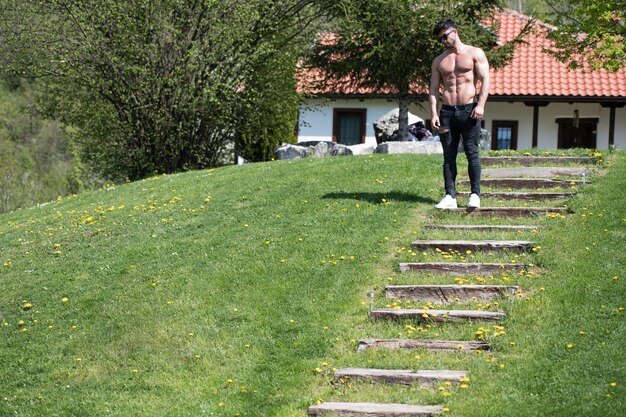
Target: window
(349,126)
(504,134)
(577,133)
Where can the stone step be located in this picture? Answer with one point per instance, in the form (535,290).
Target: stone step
(459,268)
(436,315)
(400,376)
(528,196)
(508,211)
(537,160)
(374,410)
(444,294)
(536,172)
(521,183)
(483,227)
(473,245)
(435,345)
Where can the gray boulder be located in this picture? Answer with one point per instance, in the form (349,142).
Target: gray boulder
(424,147)
(362,149)
(484,141)
(288,151)
(385,128)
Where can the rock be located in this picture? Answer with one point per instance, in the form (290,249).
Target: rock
(362,149)
(409,147)
(385,128)
(340,150)
(319,149)
(484,141)
(288,151)
(322,149)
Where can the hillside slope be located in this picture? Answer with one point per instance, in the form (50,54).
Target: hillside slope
(233,291)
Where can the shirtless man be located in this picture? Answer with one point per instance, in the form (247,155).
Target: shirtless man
(454,81)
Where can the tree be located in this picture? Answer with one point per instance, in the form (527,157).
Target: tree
(535,8)
(387,45)
(35,164)
(150,86)
(590,33)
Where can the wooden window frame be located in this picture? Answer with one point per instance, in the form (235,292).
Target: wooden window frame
(560,121)
(337,112)
(496,124)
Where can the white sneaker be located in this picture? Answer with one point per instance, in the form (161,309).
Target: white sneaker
(474,201)
(447,202)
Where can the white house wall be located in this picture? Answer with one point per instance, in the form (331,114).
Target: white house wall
(316,119)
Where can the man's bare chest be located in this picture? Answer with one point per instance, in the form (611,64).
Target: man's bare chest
(456,64)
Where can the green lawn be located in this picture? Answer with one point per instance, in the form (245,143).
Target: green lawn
(235,291)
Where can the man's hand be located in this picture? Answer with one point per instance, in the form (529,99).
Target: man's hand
(434,121)
(478,112)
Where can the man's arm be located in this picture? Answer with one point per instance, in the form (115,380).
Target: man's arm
(481,66)
(433,94)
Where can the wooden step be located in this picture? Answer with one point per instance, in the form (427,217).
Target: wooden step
(400,376)
(536,172)
(537,160)
(374,410)
(436,315)
(444,294)
(521,183)
(435,345)
(528,196)
(473,245)
(459,268)
(482,227)
(508,211)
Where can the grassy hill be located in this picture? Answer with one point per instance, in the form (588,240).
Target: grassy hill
(235,291)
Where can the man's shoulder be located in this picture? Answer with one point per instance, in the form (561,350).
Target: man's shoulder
(441,56)
(475,51)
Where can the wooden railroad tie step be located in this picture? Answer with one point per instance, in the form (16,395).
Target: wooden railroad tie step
(459,268)
(536,172)
(435,345)
(443,294)
(472,245)
(521,183)
(436,315)
(507,211)
(400,376)
(537,160)
(481,227)
(374,410)
(527,196)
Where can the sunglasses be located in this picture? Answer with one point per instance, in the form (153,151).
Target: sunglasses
(445,35)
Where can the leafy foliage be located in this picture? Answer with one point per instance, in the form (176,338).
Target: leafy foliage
(590,33)
(35,162)
(151,86)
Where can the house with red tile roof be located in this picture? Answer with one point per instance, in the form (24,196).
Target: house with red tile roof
(535,101)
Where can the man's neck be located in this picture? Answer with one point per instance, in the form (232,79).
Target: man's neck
(457,47)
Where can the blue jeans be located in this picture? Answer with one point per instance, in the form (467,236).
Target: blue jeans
(459,124)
